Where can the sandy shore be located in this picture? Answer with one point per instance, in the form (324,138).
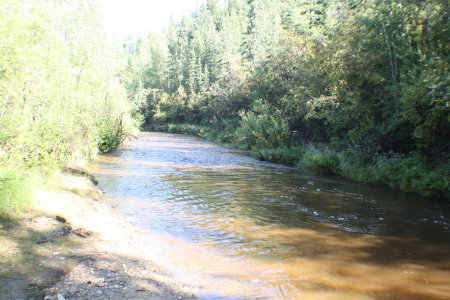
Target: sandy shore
(74,246)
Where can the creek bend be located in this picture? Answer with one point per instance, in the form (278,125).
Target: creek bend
(231,227)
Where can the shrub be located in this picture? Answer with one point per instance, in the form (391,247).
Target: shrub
(410,173)
(320,158)
(111,134)
(263,127)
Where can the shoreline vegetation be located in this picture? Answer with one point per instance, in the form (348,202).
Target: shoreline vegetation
(359,89)
(408,173)
(61,100)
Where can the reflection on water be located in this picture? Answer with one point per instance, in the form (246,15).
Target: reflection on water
(232,227)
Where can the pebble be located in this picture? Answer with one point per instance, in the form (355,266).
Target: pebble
(61,219)
(60,297)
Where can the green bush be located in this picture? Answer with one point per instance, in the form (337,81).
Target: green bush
(320,158)
(110,135)
(410,173)
(353,163)
(113,132)
(263,127)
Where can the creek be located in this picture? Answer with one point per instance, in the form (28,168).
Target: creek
(231,227)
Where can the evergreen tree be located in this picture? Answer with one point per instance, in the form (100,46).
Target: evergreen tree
(363,76)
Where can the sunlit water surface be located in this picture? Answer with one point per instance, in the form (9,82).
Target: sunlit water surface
(232,227)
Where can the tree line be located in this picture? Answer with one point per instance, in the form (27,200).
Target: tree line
(357,88)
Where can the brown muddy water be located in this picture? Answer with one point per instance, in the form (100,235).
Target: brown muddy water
(231,227)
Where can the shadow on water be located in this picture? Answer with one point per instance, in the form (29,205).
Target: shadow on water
(284,230)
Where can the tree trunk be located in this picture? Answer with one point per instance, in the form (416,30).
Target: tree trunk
(389,48)
(427,23)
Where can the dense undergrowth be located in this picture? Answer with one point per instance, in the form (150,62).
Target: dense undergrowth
(60,96)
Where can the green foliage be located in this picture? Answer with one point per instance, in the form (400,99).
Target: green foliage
(60,97)
(427,104)
(410,173)
(363,84)
(56,86)
(15,193)
(263,127)
(111,134)
(320,158)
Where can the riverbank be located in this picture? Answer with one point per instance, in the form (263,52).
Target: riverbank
(407,173)
(72,245)
(230,226)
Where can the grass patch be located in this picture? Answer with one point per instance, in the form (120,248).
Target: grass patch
(15,193)
(320,158)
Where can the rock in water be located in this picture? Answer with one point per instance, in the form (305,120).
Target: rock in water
(61,219)
(60,297)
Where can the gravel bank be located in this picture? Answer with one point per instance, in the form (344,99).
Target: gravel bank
(79,248)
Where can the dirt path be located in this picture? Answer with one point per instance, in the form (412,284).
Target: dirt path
(88,252)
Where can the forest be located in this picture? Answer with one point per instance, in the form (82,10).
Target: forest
(355,88)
